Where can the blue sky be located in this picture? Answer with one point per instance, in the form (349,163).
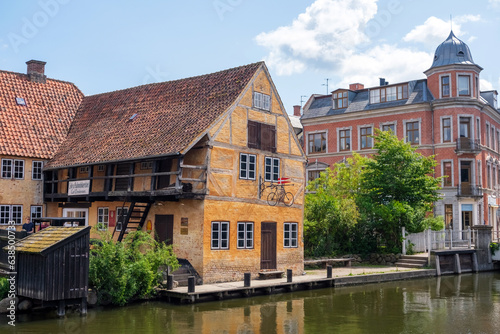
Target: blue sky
(103,46)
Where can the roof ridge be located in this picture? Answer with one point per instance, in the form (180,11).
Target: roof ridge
(178,80)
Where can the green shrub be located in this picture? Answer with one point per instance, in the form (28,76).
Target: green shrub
(494,246)
(4,287)
(121,271)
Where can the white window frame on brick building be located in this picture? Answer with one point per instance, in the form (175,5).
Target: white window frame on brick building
(367,136)
(460,84)
(315,169)
(36,170)
(290,235)
(245,232)
(419,122)
(11,213)
(339,139)
(103,218)
(447,182)
(13,169)
(36,211)
(450,119)
(385,126)
(219,235)
(441,91)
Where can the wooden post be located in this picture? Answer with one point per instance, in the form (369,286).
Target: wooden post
(289,275)
(190,284)
(170,282)
(246,280)
(438,266)
(458,268)
(329,271)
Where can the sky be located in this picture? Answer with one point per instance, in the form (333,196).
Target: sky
(103,46)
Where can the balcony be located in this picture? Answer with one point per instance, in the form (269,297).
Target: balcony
(467,190)
(468,145)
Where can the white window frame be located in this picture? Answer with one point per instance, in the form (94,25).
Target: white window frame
(36,170)
(36,211)
(247,167)
(7,214)
(442,118)
(7,168)
(441,85)
(76,213)
(18,169)
(419,130)
(244,235)
(103,218)
(470,84)
(368,138)
(84,170)
(217,235)
(289,239)
(262,101)
(350,138)
(272,163)
(452,173)
(118,222)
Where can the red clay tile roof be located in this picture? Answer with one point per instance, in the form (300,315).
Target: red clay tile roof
(169,116)
(38,128)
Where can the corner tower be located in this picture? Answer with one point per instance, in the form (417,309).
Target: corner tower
(453,72)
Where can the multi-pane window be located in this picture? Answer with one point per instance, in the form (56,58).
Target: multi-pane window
(488,176)
(261,101)
(445,86)
(11,213)
(121,215)
(365,137)
(261,136)
(272,169)
(464,85)
(446,130)
(448,215)
(344,140)
(412,132)
(19,169)
(84,170)
(36,211)
(340,100)
(220,235)
(146,165)
(389,127)
(247,166)
(245,235)
(102,218)
(36,170)
(12,168)
(447,173)
(7,168)
(387,94)
(290,235)
(317,142)
(313,174)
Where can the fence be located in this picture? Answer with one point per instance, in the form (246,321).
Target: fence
(430,240)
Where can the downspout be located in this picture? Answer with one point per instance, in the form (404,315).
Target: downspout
(432,134)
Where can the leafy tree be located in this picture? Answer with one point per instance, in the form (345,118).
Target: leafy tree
(397,189)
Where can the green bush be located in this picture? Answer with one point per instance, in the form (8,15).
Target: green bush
(494,246)
(4,287)
(121,271)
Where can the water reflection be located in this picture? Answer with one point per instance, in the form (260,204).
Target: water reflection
(452,304)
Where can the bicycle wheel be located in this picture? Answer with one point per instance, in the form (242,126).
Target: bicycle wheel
(272,198)
(288,199)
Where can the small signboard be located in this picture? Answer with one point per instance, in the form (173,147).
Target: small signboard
(78,188)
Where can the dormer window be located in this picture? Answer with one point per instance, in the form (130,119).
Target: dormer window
(262,101)
(387,94)
(340,100)
(460,53)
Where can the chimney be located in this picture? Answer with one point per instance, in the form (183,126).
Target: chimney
(382,81)
(36,71)
(356,86)
(296,111)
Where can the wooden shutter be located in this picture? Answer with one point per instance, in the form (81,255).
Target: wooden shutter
(253,134)
(268,138)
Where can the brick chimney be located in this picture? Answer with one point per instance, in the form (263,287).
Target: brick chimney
(36,71)
(356,86)
(296,111)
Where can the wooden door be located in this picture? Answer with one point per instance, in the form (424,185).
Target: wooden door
(268,246)
(164,228)
(465,177)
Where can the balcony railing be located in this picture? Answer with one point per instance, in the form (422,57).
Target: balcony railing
(466,190)
(468,145)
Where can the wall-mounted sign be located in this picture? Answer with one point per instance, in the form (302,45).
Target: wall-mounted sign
(184,221)
(76,188)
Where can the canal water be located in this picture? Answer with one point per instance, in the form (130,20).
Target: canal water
(467,303)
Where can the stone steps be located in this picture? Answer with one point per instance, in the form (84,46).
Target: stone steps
(412,261)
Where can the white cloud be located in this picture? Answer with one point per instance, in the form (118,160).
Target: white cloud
(485,85)
(328,30)
(435,30)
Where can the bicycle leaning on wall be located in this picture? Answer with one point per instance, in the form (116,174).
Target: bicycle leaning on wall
(279,194)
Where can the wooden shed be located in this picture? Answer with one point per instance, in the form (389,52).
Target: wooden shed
(53,266)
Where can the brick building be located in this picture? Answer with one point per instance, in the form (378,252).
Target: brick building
(445,115)
(35,115)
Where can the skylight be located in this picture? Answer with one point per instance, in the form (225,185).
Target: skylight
(20,101)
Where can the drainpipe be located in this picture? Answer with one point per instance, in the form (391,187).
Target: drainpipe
(432,135)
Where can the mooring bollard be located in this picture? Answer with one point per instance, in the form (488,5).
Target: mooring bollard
(170,282)
(289,275)
(190,284)
(246,280)
(328,271)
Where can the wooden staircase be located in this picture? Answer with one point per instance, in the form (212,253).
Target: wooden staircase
(135,219)
(412,261)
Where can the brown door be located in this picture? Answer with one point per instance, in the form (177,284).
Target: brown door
(465,177)
(268,246)
(164,228)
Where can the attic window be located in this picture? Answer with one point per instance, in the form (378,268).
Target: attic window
(132,117)
(20,101)
(460,53)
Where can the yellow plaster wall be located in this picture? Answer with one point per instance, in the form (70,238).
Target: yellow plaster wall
(228,265)
(262,84)
(283,136)
(98,184)
(25,192)
(239,127)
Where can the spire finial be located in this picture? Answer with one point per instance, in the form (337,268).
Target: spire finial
(451,22)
